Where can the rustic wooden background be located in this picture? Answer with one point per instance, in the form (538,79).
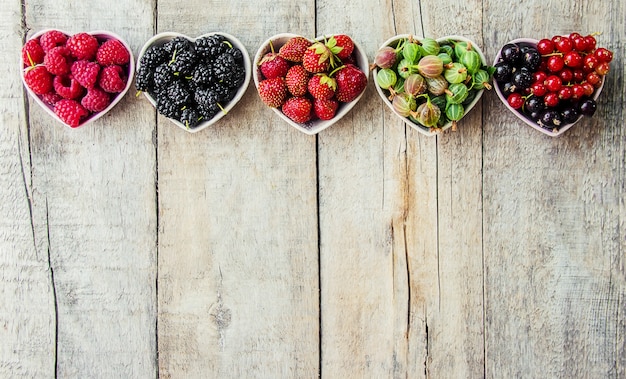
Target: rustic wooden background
(131,249)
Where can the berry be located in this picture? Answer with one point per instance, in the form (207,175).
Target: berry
(515,100)
(566,75)
(189,117)
(178,94)
(57,60)
(210,47)
(317,58)
(112,52)
(603,55)
(153,56)
(273,92)
(570,114)
(203,75)
(555,63)
(272,65)
(350,83)
(344,44)
(70,112)
(85,72)
(32,53)
(95,100)
(531,59)
(590,43)
(298,109)
(51,98)
(565,93)
(551,99)
(38,79)
(297,79)
(573,59)
(538,89)
(545,46)
(325,109)
(228,71)
(83,46)
(67,87)
(510,53)
(503,71)
(321,86)
(52,39)
(293,50)
(112,79)
(564,45)
(602,68)
(588,107)
(553,83)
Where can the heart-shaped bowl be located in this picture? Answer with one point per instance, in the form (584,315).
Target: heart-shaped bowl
(162,38)
(467,104)
(316,125)
(128,69)
(552,132)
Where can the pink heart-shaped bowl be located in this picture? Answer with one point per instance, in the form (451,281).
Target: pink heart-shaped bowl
(552,132)
(467,106)
(162,38)
(316,125)
(128,72)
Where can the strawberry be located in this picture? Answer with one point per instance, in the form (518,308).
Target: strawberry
(322,86)
(70,111)
(297,79)
(273,65)
(294,49)
(112,52)
(298,109)
(317,58)
(342,46)
(273,91)
(325,109)
(32,53)
(83,46)
(350,83)
(38,79)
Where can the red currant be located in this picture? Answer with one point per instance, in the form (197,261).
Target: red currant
(515,100)
(577,91)
(566,75)
(553,83)
(551,99)
(555,63)
(603,55)
(602,68)
(573,59)
(593,78)
(580,44)
(590,42)
(590,62)
(539,76)
(564,45)
(538,89)
(545,46)
(579,75)
(574,35)
(565,93)
(589,88)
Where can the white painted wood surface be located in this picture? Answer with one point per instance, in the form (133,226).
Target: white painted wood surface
(132,249)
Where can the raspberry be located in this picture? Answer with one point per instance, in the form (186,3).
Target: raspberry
(38,79)
(51,98)
(52,39)
(56,60)
(112,79)
(70,112)
(95,100)
(67,87)
(83,46)
(85,73)
(32,53)
(112,52)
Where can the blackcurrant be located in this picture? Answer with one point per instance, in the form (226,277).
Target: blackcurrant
(531,59)
(510,53)
(570,115)
(588,107)
(534,104)
(503,71)
(522,79)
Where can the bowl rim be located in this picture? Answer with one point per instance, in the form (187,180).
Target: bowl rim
(420,128)
(168,36)
(118,97)
(522,117)
(316,126)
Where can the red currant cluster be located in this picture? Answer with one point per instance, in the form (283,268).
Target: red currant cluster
(553,82)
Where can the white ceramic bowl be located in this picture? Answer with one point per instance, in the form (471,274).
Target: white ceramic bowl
(101,35)
(162,38)
(523,117)
(420,128)
(314,126)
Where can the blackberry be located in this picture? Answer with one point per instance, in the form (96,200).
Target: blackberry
(206,98)
(163,76)
(211,46)
(178,44)
(167,108)
(183,62)
(189,117)
(178,93)
(228,71)
(224,94)
(236,53)
(154,56)
(203,76)
(144,80)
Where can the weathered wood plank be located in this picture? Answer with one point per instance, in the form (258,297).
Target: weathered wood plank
(553,218)
(94,211)
(26,307)
(238,270)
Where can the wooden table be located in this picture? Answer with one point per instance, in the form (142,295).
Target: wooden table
(132,249)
